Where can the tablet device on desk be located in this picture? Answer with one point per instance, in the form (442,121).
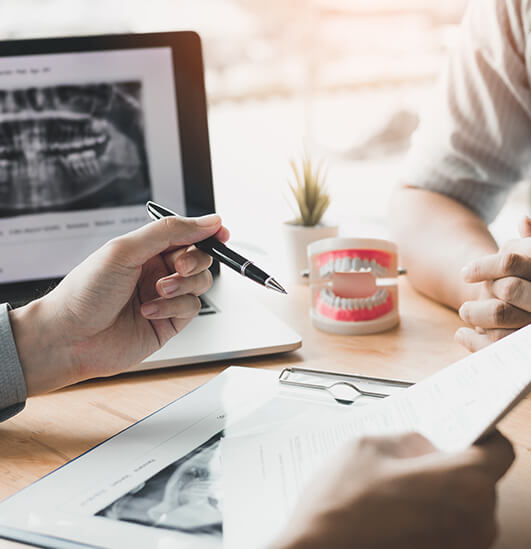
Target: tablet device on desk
(90,129)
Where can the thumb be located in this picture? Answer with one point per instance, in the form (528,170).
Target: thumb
(525,227)
(494,454)
(135,248)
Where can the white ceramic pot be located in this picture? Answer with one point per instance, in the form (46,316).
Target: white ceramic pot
(297,238)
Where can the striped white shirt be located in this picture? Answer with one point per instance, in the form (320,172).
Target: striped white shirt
(474,140)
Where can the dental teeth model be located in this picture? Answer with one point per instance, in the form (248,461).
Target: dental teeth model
(354,285)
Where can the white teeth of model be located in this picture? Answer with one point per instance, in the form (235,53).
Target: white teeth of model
(337,265)
(326,269)
(344,303)
(346,265)
(356,264)
(337,302)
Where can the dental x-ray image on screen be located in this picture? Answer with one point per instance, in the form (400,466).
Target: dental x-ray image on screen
(72,147)
(184,496)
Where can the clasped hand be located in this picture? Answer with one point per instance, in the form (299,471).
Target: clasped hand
(504,304)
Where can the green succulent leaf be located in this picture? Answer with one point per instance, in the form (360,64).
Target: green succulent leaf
(309,190)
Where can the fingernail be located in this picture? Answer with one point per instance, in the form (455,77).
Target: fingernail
(208,220)
(149,309)
(464,313)
(169,286)
(466,271)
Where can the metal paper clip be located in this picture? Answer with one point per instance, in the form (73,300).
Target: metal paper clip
(344,391)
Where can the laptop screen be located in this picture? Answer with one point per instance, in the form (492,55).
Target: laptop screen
(85,139)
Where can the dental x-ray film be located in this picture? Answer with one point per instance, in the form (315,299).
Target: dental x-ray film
(72,147)
(183,497)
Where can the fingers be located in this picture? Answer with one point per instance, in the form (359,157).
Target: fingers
(493,454)
(490,267)
(175,285)
(137,247)
(513,290)
(471,340)
(182,307)
(493,313)
(402,446)
(178,296)
(190,261)
(187,261)
(223,234)
(524,228)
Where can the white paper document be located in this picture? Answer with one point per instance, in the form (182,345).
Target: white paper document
(263,476)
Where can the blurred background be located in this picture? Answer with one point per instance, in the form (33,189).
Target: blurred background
(345,79)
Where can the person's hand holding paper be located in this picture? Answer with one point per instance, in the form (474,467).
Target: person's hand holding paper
(400,493)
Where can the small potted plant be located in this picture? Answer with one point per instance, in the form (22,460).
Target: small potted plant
(308,187)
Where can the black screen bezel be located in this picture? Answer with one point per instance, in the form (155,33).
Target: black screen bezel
(191,108)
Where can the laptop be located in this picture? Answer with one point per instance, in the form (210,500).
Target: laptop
(90,129)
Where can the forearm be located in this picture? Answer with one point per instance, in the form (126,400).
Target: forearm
(436,237)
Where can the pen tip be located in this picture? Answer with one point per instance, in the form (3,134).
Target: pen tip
(274,285)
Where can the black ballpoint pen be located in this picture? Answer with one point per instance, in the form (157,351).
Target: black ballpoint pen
(216,249)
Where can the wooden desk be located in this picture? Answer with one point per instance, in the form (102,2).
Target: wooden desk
(58,427)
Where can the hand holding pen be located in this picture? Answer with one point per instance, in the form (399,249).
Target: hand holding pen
(216,249)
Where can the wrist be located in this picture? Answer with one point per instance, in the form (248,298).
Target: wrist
(46,362)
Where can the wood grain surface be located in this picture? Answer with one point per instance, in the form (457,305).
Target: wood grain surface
(57,427)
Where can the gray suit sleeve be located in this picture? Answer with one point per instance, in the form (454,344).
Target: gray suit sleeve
(12,383)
